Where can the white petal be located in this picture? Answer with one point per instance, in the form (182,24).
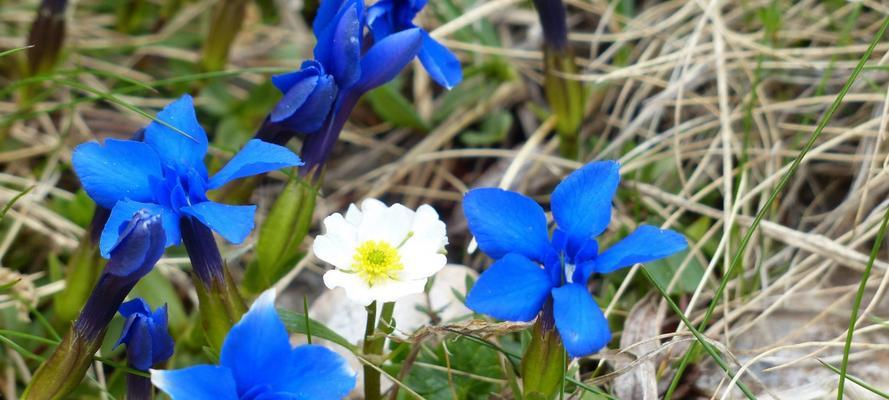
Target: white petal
(390,225)
(353,215)
(372,205)
(426,225)
(422,266)
(358,291)
(331,251)
(337,245)
(385,292)
(355,287)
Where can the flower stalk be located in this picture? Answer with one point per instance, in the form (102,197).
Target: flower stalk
(221,305)
(565,95)
(374,343)
(139,387)
(544,361)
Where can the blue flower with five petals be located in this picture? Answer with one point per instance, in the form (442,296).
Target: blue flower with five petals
(533,272)
(165,174)
(386,17)
(145,333)
(258,363)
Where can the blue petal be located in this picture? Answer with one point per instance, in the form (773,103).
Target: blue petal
(441,64)
(646,243)
(201,382)
(255,158)
(315,372)
(122,213)
(255,346)
(581,203)
(339,45)
(581,324)
(135,306)
(140,243)
(176,151)
(379,18)
(161,342)
(305,107)
(294,97)
(121,169)
(233,223)
(139,345)
(309,68)
(388,57)
(512,289)
(327,11)
(506,222)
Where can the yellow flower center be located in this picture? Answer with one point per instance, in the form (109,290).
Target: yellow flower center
(375,261)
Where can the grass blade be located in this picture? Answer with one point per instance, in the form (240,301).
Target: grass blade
(878,242)
(785,179)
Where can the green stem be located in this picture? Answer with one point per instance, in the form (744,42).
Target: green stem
(858,297)
(64,369)
(221,306)
(544,361)
(374,342)
(565,97)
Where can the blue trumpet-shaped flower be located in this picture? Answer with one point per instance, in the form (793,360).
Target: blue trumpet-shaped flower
(148,344)
(390,16)
(318,98)
(165,173)
(531,270)
(257,362)
(138,246)
(145,333)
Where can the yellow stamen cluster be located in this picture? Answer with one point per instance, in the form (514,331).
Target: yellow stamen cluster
(375,261)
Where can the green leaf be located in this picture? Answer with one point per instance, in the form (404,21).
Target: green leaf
(392,107)
(468,361)
(280,236)
(664,270)
(493,130)
(299,323)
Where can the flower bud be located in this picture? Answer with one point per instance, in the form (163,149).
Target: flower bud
(141,243)
(47,36)
(565,95)
(148,344)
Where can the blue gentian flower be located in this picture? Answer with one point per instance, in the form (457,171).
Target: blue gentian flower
(257,362)
(139,244)
(318,98)
(148,344)
(323,88)
(390,16)
(533,273)
(145,333)
(165,173)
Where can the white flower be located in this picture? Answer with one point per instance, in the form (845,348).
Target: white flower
(382,253)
